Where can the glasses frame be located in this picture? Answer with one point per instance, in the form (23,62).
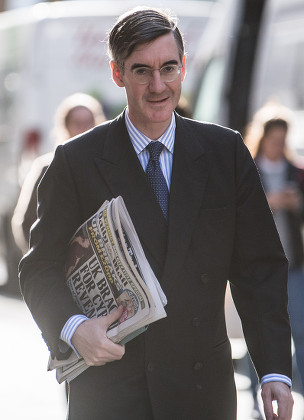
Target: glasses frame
(150,71)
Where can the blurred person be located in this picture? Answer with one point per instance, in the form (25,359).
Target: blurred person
(212,224)
(284,186)
(76,114)
(183,108)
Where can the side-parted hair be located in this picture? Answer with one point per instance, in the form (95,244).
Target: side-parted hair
(140,26)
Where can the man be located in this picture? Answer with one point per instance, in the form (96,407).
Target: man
(217,226)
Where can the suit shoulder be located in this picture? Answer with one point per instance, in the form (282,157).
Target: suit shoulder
(211,128)
(211,134)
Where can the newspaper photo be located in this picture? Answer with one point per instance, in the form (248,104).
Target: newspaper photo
(106,267)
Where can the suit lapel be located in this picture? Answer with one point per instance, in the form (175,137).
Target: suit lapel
(189,176)
(123,173)
(165,246)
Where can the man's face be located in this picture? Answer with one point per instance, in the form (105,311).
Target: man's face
(151,105)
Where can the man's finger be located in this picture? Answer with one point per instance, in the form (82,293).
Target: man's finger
(267,400)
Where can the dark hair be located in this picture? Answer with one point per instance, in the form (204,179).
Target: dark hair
(140,26)
(268,126)
(275,123)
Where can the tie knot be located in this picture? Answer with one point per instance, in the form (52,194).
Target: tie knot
(155,148)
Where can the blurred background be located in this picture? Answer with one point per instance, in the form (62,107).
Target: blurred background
(241,55)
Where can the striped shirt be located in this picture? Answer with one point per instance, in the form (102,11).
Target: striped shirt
(140,142)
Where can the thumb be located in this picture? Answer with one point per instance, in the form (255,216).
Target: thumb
(114,316)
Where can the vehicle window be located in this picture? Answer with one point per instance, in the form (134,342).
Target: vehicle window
(207,107)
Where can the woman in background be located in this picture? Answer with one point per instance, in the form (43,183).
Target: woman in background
(284,187)
(76,114)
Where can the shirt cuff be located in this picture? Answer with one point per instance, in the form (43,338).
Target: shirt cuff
(70,327)
(274,377)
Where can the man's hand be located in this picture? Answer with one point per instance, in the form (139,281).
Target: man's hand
(91,341)
(279,392)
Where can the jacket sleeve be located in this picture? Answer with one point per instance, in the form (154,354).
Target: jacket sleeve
(41,271)
(258,273)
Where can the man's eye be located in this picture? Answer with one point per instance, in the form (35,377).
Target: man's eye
(141,71)
(168,69)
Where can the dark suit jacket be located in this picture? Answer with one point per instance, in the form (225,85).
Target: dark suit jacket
(220,228)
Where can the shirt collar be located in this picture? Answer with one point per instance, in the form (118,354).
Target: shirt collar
(140,141)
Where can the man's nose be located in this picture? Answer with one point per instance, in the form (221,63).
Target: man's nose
(156,84)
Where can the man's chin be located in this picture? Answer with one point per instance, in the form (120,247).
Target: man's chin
(161,116)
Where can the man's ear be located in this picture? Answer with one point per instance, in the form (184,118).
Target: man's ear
(183,69)
(116,74)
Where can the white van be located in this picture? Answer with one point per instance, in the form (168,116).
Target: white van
(51,50)
(252,52)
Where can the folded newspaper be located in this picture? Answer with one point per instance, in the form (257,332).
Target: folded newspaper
(106,267)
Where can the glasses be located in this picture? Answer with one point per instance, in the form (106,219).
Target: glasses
(168,73)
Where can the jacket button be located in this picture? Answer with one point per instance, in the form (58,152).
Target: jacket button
(198,366)
(150,367)
(196,322)
(204,278)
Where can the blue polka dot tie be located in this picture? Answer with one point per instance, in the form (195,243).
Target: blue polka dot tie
(156,177)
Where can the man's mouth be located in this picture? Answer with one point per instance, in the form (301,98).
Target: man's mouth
(158,101)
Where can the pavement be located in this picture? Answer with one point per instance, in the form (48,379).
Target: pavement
(29,392)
